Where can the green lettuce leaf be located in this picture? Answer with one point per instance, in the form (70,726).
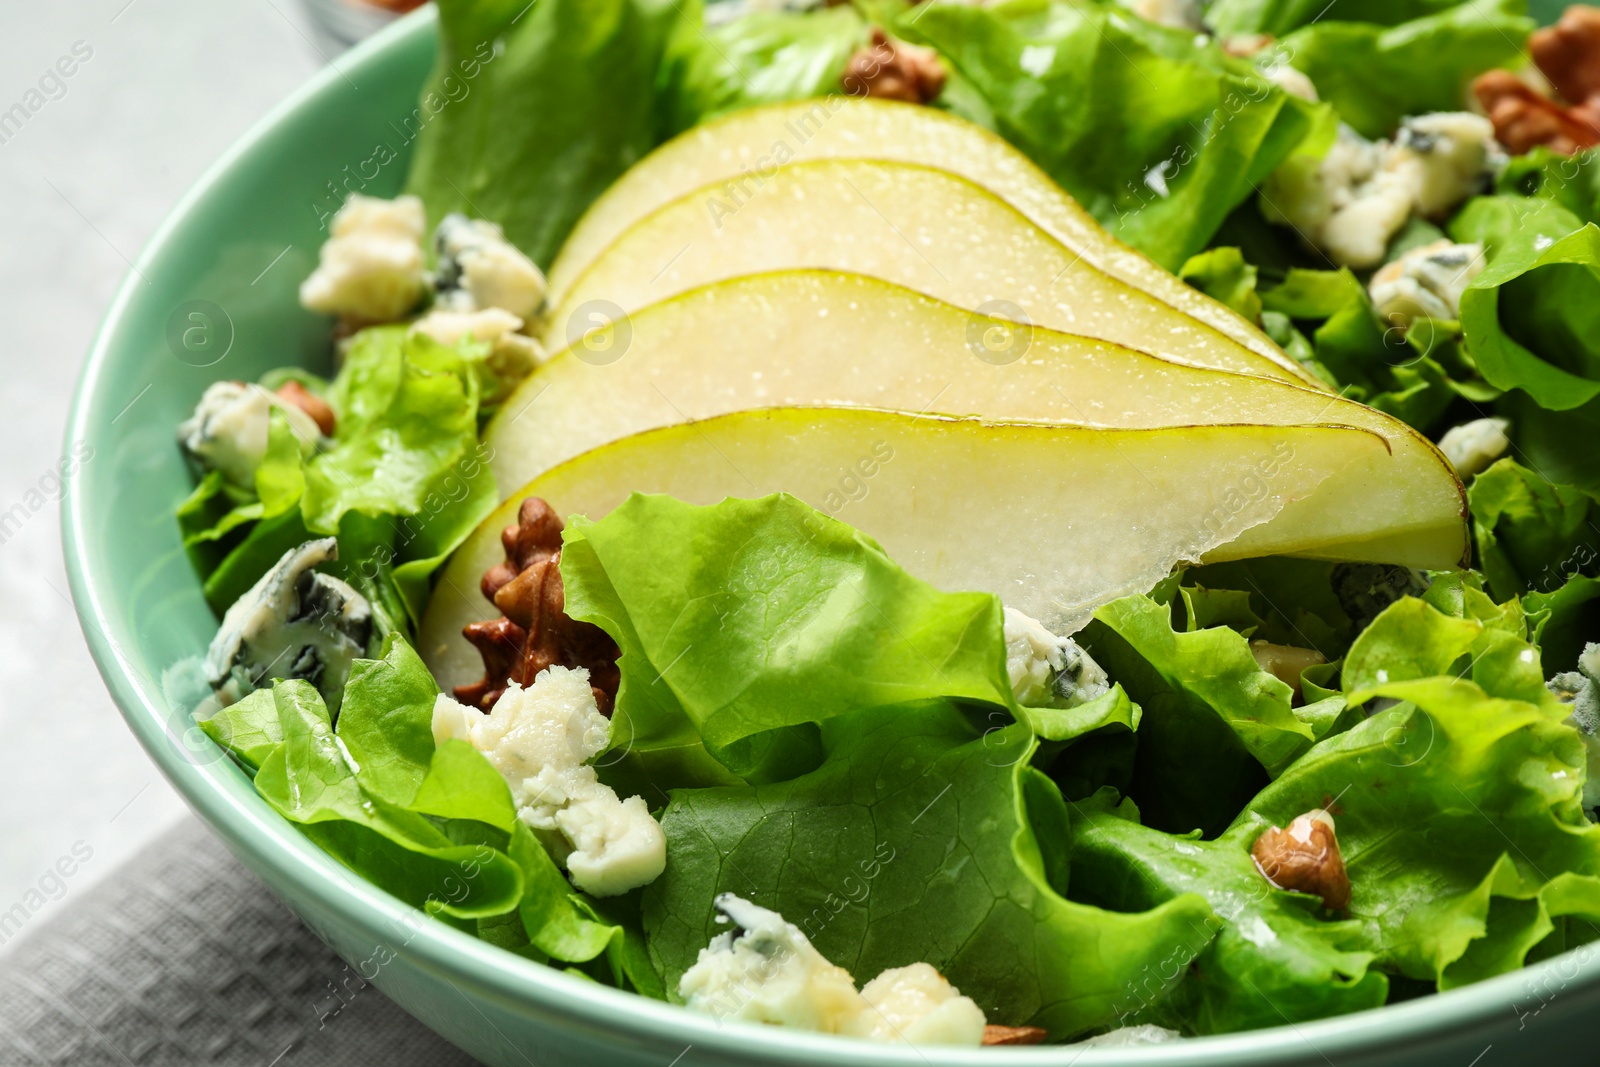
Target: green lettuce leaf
(1157,132)
(1571,182)
(1374,74)
(435,826)
(1564,620)
(401,484)
(310,780)
(746,623)
(1111,712)
(1266,957)
(1280,17)
(1215,725)
(1456,807)
(1291,601)
(763,57)
(249,730)
(461,784)
(1223,275)
(1531,533)
(1530,317)
(534,108)
(386,722)
(922,836)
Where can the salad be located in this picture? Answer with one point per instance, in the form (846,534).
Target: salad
(948,523)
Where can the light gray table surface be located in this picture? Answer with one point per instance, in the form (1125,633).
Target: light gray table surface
(168,85)
(132,969)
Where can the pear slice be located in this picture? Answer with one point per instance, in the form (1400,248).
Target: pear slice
(739,153)
(817,337)
(1055,519)
(926,229)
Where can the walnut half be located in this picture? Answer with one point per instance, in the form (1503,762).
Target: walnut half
(1305,859)
(1568,55)
(534,631)
(890,69)
(1013,1035)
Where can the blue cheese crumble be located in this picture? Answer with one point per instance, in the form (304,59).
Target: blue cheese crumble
(1046,670)
(229,429)
(293,623)
(371,269)
(541,740)
(766,970)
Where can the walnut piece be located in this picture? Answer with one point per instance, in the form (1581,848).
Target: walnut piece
(1013,1035)
(894,70)
(534,631)
(1305,859)
(1568,55)
(321,412)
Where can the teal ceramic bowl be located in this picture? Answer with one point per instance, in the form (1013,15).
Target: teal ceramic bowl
(213,296)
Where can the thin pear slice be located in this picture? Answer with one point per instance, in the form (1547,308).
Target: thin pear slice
(817,337)
(741,151)
(1056,520)
(923,228)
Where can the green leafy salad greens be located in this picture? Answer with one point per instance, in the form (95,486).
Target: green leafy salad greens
(832,738)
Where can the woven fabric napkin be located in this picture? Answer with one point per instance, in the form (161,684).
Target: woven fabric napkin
(183,957)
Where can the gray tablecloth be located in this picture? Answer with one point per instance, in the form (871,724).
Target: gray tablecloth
(183,957)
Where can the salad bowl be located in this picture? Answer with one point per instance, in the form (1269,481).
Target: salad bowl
(214,296)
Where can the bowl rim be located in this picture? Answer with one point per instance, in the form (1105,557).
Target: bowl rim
(269,842)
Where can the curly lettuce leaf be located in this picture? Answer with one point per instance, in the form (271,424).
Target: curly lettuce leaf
(1291,601)
(249,730)
(744,624)
(435,826)
(1432,794)
(1215,725)
(1376,73)
(1571,182)
(1157,132)
(1280,17)
(1563,620)
(310,780)
(922,836)
(533,109)
(1110,713)
(1531,533)
(762,57)
(1415,374)
(386,722)
(1267,957)
(401,484)
(1225,276)
(1530,317)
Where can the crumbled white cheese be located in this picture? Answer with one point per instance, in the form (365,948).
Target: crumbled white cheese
(371,267)
(293,623)
(1473,446)
(1046,670)
(1453,155)
(229,428)
(512,355)
(540,739)
(1426,282)
(479,268)
(1581,689)
(1352,202)
(1290,80)
(1179,14)
(917,1006)
(767,971)
(1130,1037)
